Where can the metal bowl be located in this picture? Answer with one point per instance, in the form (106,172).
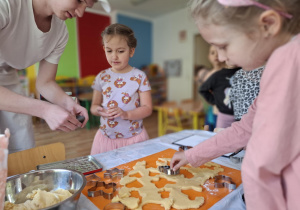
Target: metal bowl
(18,186)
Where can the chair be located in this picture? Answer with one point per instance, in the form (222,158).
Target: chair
(68,84)
(84,85)
(26,160)
(171,117)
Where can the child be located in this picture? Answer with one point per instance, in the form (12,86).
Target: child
(121,95)
(215,90)
(212,111)
(248,33)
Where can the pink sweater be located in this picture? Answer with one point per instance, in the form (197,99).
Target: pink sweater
(271,131)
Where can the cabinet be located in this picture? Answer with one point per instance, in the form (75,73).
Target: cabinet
(158,82)
(158,89)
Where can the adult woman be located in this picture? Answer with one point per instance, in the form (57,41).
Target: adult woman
(34,31)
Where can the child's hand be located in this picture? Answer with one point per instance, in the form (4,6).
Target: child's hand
(178,160)
(217,130)
(102,112)
(117,112)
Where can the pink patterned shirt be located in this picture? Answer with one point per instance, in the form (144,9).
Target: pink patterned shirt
(121,90)
(271,131)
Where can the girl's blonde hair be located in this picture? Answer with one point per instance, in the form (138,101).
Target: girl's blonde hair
(122,30)
(213,12)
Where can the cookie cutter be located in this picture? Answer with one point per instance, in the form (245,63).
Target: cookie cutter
(115,206)
(183,148)
(233,158)
(92,192)
(92,179)
(96,182)
(114,173)
(224,181)
(236,160)
(167,170)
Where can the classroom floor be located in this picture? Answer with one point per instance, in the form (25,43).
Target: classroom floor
(78,143)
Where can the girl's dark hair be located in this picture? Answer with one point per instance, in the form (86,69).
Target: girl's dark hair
(122,30)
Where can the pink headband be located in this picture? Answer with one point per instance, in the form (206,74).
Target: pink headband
(241,3)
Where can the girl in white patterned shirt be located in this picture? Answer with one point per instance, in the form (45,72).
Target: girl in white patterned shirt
(122,95)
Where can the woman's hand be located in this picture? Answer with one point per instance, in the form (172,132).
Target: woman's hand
(178,160)
(79,110)
(58,118)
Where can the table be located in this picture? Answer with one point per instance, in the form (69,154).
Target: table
(191,108)
(132,152)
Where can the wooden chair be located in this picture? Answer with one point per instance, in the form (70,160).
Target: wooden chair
(26,160)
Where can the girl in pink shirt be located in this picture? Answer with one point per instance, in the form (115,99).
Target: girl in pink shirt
(122,95)
(248,33)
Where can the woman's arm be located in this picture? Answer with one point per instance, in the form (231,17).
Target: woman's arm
(206,90)
(63,116)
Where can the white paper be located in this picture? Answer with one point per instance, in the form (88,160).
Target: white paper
(194,139)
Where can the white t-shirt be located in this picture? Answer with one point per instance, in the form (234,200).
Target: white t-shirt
(22,44)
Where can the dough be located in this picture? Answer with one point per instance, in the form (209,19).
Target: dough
(151,194)
(39,199)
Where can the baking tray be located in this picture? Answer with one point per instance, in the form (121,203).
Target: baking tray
(86,165)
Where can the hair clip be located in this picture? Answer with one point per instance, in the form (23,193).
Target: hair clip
(241,3)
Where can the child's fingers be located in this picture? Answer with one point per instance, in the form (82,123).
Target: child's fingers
(206,127)
(178,160)
(99,109)
(217,130)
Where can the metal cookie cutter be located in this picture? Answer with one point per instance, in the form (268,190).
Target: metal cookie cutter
(236,160)
(183,148)
(114,173)
(224,181)
(92,179)
(115,206)
(167,170)
(92,192)
(96,182)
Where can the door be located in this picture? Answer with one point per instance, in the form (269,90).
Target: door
(201,58)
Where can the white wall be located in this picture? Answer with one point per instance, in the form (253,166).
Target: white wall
(166,46)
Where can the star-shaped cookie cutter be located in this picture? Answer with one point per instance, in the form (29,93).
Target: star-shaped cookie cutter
(114,173)
(224,181)
(167,170)
(96,182)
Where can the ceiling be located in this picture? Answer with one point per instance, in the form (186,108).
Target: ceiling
(146,8)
